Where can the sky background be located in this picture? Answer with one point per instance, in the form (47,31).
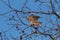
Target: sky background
(8,30)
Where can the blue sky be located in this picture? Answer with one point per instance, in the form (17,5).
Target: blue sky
(33,6)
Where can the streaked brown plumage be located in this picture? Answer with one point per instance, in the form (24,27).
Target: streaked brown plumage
(34,20)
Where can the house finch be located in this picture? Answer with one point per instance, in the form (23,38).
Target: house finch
(34,20)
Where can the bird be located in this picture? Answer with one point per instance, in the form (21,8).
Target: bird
(33,19)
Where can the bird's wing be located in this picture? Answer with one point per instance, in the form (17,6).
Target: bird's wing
(36,17)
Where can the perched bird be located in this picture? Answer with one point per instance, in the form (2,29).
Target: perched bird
(34,20)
